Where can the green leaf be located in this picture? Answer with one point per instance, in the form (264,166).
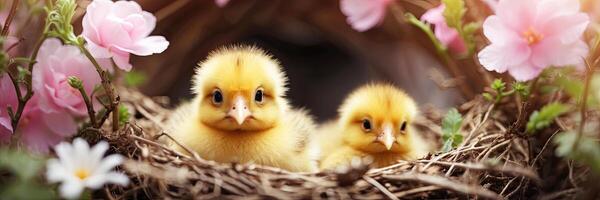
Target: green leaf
(544,117)
(22,73)
(468,35)
(454,12)
(573,87)
(521,89)
(471,27)
(488,96)
(134,78)
(123,115)
(587,150)
(24,165)
(451,135)
(58,21)
(498,85)
(26,169)
(26,190)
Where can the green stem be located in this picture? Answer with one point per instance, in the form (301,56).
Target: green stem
(16,116)
(586,90)
(11,15)
(114,100)
(89,105)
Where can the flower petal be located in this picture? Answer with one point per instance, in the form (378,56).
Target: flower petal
(108,163)
(434,15)
(99,180)
(56,172)
(568,28)
(98,151)
(552,52)
(495,31)
(517,14)
(551,8)
(80,145)
(524,72)
(363,15)
(499,58)
(149,45)
(97,51)
(64,151)
(122,61)
(71,189)
(60,123)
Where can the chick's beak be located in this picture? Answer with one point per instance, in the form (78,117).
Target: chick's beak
(386,137)
(239,110)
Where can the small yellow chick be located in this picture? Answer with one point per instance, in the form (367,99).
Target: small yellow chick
(374,121)
(239,113)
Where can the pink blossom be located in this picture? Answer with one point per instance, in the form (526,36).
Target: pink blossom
(38,130)
(364,14)
(8,98)
(56,62)
(221,3)
(446,35)
(116,29)
(529,35)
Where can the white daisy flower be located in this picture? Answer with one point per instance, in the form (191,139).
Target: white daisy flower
(78,167)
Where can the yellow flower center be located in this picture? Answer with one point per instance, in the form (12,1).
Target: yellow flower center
(532,36)
(82,173)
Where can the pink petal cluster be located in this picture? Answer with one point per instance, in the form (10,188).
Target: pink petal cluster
(446,35)
(8,98)
(363,15)
(529,35)
(118,29)
(38,130)
(55,63)
(221,3)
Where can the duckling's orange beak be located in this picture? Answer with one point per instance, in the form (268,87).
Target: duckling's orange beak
(386,137)
(239,110)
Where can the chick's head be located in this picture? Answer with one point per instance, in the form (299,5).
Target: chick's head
(376,118)
(240,89)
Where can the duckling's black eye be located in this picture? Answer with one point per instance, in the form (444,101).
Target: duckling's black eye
(366,125)
(217,97)
(403,127)
(258,96)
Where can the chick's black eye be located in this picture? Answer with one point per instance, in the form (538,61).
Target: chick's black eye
(258,97)
(366,125)
(217,97)
(403,127)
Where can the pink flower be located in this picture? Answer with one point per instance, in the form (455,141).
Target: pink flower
(38,130)
(56,62)
(529,35)
(447,36)
(364,14)
(221,3)
(116,29)
(8,98)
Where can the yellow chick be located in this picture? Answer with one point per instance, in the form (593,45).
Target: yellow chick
(239,113)
(374,121)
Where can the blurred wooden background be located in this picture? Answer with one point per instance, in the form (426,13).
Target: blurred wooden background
(323,56)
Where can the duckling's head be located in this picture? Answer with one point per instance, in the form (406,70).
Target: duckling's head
(240,88)
(377,118)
